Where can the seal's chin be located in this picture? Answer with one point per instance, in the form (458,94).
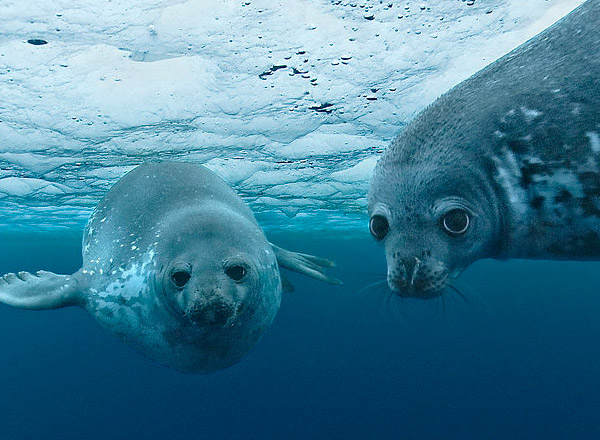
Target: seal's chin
(412,291)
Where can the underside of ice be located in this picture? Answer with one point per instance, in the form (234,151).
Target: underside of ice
(290,102)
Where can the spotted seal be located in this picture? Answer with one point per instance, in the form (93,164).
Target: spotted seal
(176,266)
(504,165)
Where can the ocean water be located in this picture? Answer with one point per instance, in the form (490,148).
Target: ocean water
(518,357)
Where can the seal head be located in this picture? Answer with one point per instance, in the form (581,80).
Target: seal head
(217,278)
(431,230)
(212,288)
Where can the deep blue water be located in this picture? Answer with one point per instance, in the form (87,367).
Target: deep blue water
(338,363)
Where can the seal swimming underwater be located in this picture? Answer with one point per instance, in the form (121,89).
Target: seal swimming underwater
(176,266)
(504,165)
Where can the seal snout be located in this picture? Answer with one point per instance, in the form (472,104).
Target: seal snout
(214,311)
(415,277)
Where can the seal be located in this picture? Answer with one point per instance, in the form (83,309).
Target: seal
(176,266)
(504,165)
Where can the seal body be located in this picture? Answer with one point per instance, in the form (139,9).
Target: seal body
(176,266)
(504,165)
(163,221)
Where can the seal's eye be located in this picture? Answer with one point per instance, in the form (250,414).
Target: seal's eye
(379,227)
(456,221)
(236,273)
(180,278)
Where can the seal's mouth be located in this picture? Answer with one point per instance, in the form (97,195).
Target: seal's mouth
(415,291)
(216,313)
(412,292)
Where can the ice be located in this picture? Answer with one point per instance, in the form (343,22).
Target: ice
(290,102)
(323,142)
(361,172)
(27,187)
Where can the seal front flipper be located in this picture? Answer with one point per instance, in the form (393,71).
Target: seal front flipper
(286,285)
(308,265)
(42,290)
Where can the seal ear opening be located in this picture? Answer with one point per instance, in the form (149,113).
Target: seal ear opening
(41,291)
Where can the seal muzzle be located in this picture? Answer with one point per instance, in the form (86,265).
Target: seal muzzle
(415,277)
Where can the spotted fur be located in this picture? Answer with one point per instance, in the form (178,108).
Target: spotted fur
(518,144)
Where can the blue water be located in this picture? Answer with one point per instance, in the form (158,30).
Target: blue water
(519,359)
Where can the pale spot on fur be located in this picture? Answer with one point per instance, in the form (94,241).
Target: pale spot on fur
(534,160)
(132,281)
(530,114)
(509,177)
(129,285)
(563,178)
(594,139)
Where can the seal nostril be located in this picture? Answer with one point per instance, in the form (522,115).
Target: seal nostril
(411,265)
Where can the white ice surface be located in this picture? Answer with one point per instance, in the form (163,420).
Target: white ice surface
(290,101)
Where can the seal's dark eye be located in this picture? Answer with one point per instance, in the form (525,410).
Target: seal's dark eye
(180,278)
(456,221)
(379,227)
(236,273)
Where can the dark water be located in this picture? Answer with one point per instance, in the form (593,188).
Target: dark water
(336,364)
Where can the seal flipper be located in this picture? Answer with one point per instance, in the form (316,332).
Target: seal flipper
(308,265)
(41,291)
(286,285)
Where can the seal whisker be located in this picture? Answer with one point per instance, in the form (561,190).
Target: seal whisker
(397,308)
(369,287)
(455,289)
(385,303)
(443,299)
(374,276)
(472,293)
